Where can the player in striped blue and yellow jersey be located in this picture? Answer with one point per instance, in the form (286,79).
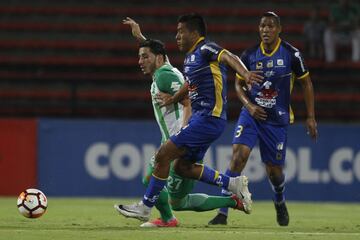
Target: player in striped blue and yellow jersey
(266,110)
(204,71)
(171,118)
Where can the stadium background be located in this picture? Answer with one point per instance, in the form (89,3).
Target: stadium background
(76,119)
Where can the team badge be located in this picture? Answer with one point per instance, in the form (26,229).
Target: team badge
(259,65)
(280,62)
(270,64)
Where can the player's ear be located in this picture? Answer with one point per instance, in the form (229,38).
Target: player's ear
(159,60)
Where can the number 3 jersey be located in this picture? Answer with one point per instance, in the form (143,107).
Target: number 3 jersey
(280,68)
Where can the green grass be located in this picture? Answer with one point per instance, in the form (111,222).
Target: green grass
(94,218)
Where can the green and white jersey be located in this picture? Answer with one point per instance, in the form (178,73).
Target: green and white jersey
(169,80)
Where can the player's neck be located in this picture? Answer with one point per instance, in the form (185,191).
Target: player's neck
(270,47)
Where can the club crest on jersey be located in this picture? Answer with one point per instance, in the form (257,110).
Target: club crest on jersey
(280,62)
(192,58)
(270,64)
(259,65)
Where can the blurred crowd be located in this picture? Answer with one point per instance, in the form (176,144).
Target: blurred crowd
(330,33)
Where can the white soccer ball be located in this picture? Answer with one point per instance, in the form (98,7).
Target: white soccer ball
(32,203)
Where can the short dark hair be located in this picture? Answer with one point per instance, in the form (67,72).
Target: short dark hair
(194,22)
(273,15)
(157,47)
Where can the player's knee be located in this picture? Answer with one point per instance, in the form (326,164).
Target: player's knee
(182,167)
(275,173)
(176,204)
(240,156)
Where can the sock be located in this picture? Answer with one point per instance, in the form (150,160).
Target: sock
(153,190)
(201,202)
(225,192)
(278,187)
(162,204)
(213,177)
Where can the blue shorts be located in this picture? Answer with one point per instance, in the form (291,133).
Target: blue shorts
(272,138)
(197,136)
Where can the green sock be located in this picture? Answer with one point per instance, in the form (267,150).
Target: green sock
(201,202)
(163,206)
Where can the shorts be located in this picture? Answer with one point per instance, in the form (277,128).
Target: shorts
(272,138)
(197,136)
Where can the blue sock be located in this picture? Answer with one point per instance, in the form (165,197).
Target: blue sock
(278,187)
(225,192)
(213,177)
(153,190)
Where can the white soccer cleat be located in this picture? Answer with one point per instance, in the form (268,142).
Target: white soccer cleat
(136,210)
(239,186)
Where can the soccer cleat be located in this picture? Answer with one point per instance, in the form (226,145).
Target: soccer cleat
(239,204)
(239,186)
(282,215)
(219,219)
(136,210)
(160,223)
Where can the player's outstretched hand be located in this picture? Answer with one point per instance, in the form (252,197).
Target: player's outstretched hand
(164,99)
(135,28)
(256,111)
(311,128)
(253,77)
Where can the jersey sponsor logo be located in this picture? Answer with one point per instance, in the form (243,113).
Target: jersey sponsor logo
(269,73)
(210,49)
(267,96)
(175,86)
(192,91)
(259,65)
(204,104)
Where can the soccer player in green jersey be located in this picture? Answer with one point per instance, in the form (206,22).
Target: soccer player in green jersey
(153,61)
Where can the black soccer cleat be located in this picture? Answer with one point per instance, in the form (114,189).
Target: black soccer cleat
(282,215)
(219,219)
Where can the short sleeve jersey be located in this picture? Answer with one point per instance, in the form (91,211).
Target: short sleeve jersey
(169,80)
(207,78)
(280,68)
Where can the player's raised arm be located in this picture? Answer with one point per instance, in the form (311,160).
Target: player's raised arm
(135,29)
(236,64)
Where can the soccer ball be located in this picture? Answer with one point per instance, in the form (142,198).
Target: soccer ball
(32,203)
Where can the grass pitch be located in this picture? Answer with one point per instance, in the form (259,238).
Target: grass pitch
(94,218)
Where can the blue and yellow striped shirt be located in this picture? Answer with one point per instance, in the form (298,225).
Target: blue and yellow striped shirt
(207,79)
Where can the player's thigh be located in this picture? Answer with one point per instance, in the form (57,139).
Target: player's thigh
(272,143)
(168,151)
